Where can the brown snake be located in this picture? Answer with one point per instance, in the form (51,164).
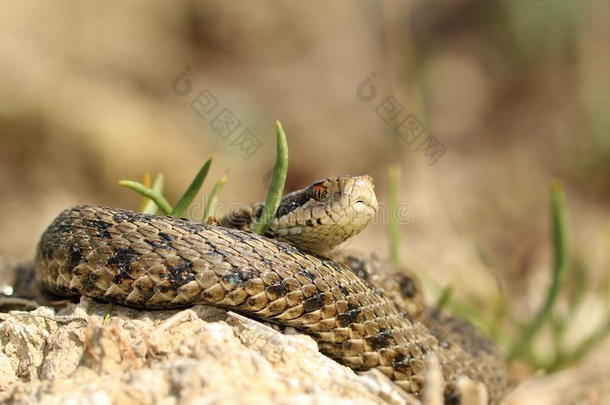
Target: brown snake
(160,262)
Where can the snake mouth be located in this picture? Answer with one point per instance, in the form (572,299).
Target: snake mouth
(362,204)
(365,203)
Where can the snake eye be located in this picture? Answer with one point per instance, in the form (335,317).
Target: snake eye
(318,192)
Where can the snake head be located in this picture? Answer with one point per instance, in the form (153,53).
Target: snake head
(326,213)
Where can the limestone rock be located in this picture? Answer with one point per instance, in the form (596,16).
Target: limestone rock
(201,355)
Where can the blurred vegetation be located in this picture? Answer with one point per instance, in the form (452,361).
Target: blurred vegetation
(520,345)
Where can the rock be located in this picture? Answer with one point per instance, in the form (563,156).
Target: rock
(199,355)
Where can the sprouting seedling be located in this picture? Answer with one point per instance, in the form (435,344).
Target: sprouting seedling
(444,298)
(149,206)
(192,190)
(560,256)
(278,179)
(156,199)
(155,194)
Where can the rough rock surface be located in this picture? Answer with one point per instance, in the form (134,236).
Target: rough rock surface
(197,355)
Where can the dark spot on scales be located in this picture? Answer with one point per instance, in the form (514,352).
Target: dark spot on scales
(75,255)
(64,228)
(351,316)
(277,290)
(122,258)
(47,250)
(402,363)
(123,216)
(167,237)
(291,202)
(216,252)
(307,275)
(89,282)
(100,226)
(344,290)
(380,340)
(181,273)
(120,276)
(247,275)
(236,278)
(158,245)
(267,262)
(313,303)
(423,349)
(232,279)
(286,208)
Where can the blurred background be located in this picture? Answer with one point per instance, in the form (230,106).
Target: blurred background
(483,105)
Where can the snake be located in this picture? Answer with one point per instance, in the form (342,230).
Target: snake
(361,312)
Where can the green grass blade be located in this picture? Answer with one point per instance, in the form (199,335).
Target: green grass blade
(444,298)
(141,189)
(589,343)
(190,193)
(213,198)
(278,179)
(149,206)
(107,313)
(394,222)
(499,316)
(560,259)
(474,316)
(579,282)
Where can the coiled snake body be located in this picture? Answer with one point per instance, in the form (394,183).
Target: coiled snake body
(160,262)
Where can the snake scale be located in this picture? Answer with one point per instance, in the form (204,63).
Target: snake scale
(146,261)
